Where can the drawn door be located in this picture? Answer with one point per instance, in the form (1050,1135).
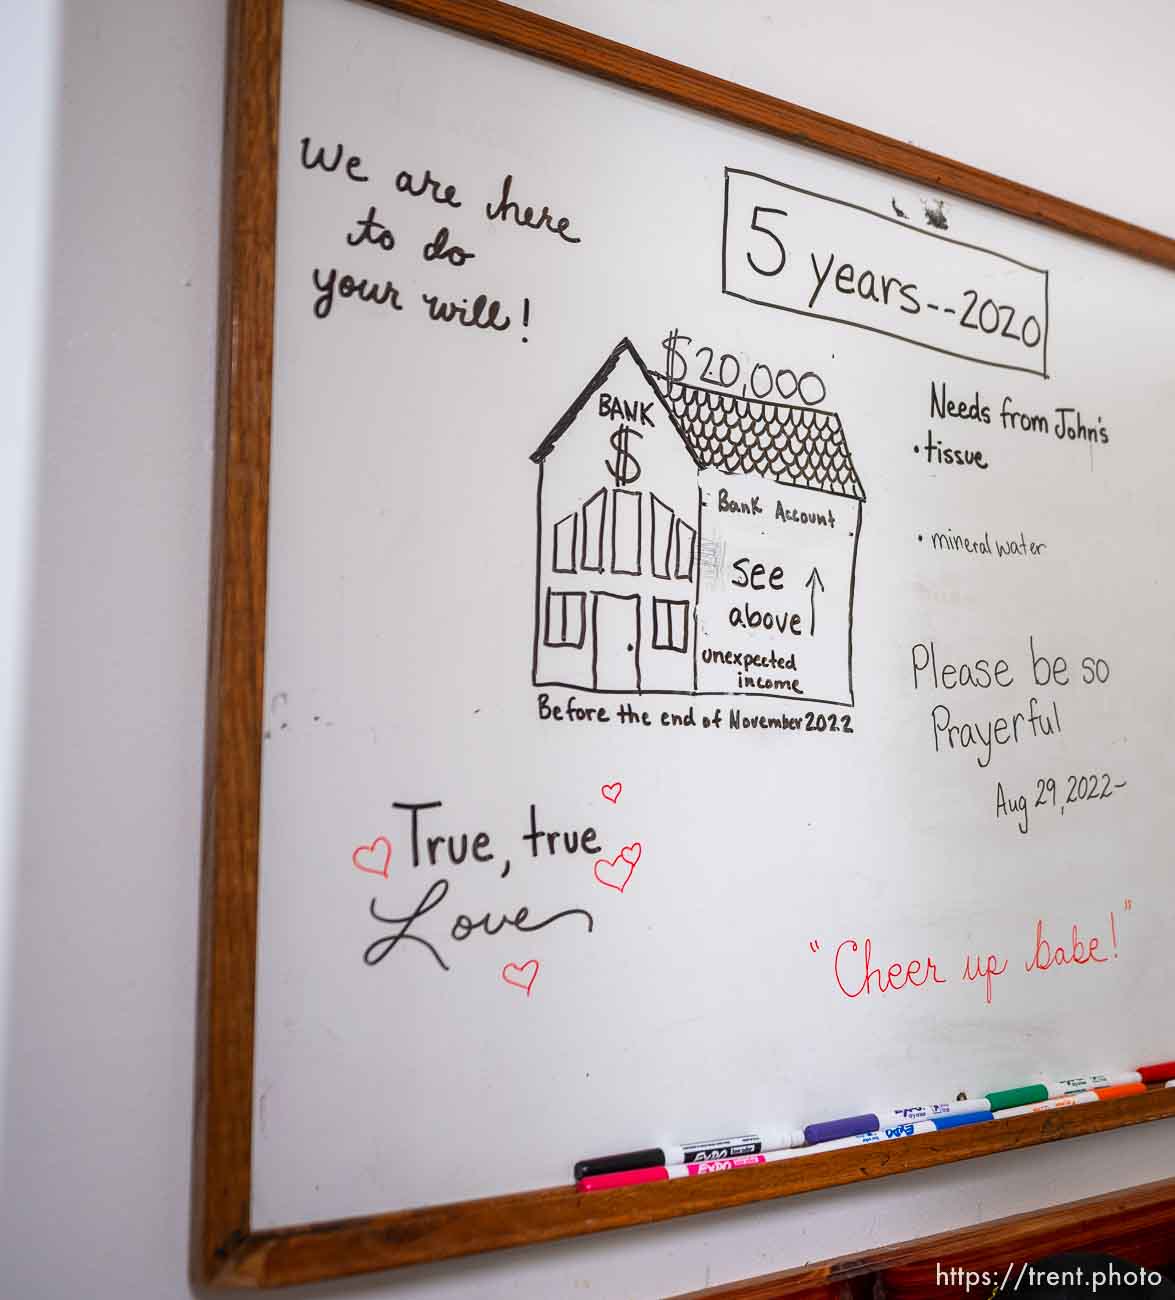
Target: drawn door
(616,642)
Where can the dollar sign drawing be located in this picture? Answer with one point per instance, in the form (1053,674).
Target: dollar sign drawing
(627,468)
(676,368)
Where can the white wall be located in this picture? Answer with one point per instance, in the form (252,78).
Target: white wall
(108,370)
(28,72)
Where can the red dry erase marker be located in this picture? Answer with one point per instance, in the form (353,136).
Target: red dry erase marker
(1157,1073)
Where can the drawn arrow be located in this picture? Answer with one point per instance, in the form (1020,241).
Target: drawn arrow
(813,581)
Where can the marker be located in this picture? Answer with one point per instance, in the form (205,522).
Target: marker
(1024,1096)
(659,1173)
(631,1177)
(852,1125)
(884,1134)
(939,1110)
(1091,1082)
(1076,1099)
(1120,1090)
(1157,1073)
(687,1153)
(1053,1103)
(834,1129)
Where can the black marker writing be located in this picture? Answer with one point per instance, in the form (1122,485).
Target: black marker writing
(372,231)
(481,314)
(438,247)
(1068,427)
(376,951)
(330,283)
(406,183)
(585,841)
(319,160)
(464,926)
(455,847)
(938,454)
(506,208)
(415,809)
(864,284)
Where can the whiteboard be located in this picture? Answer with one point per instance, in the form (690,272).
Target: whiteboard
(674,589)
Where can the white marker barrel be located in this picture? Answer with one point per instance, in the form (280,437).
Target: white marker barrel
(726,1148)
(937,1110)
(1055,1103)
(1087,1082)
(857,1140)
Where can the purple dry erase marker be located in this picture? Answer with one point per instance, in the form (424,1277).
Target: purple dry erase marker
(832,1129)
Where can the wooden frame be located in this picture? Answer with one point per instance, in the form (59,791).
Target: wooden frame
(225,1249)
(1134,1226)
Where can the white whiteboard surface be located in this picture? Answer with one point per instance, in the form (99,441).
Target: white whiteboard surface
(401,664)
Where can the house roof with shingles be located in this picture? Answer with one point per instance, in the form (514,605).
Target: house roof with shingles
(794,445)
(797,446)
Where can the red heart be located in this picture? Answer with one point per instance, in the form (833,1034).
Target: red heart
(611,792)
(365,850)
(522,982)
(629,856)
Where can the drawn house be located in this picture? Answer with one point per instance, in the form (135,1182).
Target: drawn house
(692,541)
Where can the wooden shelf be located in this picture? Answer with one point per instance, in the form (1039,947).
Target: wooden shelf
(1135,1226)
(362,1245)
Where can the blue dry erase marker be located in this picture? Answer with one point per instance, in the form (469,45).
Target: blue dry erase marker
(937,1110)
(956,1121)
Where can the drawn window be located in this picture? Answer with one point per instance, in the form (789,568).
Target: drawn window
(566,621)
(626,531)
(663,518)
(670,625)
(686,542)
(592,556)
(565,534)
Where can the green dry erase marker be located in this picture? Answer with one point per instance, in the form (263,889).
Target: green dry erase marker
(1018,1096)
